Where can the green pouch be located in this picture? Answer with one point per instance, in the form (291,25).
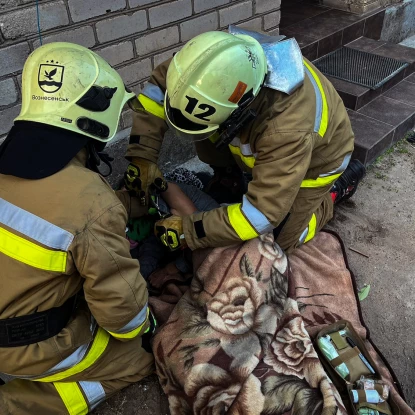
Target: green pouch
(356,367)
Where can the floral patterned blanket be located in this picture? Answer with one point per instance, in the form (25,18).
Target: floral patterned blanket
(237,343)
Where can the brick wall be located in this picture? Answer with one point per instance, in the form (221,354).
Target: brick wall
(132,35)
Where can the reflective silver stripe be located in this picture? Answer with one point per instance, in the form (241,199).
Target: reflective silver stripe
(6,378)
(72,360)
(340,169)
(319,101)
(235,142)
(257,219)
(245,148)
(154,93)
(136,322)
(94,393)
(34,227)
(303,235)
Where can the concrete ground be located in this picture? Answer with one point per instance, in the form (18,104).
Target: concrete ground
(380,222)
(174,152)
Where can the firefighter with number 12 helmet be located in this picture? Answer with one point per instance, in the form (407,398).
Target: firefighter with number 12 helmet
(249,102)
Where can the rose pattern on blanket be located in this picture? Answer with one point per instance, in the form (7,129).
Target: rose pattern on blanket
(321,282)
(236,343)
(291,350)
(216,390)
(291,395)
(240,308)
(245,316)
(299,383)
(272,251)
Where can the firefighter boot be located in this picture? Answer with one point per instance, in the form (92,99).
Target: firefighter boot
(345,186)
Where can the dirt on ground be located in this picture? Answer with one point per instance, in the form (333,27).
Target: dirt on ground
(379,222)
(143,398)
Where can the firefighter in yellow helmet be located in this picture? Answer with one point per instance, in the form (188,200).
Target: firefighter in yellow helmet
(74,319)
(251,100)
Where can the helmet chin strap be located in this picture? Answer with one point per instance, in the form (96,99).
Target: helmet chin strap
(241,117)
(96,157)
(231,127)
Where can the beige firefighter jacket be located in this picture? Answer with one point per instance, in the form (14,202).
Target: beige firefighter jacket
(302,140)
(59,235)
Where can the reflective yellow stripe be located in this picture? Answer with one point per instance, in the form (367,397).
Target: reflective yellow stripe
(152,107)
(72,397)
(325,112)
(247,160)
(240,224)
(98,347)
(131,334)
(320,181)
(31,254)
(311,228)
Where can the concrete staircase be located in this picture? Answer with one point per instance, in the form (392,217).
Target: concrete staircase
(379,117)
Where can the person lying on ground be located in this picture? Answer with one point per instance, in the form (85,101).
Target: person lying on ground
(179,199)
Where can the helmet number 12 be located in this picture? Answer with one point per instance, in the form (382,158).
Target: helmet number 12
(193,103)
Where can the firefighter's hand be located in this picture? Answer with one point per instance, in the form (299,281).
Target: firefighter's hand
(146,338)
(170,232)
(142,176)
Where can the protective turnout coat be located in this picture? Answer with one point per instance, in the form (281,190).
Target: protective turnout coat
(62,236)
(296,148)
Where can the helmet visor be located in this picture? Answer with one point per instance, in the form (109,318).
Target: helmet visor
(183,127)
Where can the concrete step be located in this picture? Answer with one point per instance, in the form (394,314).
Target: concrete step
(384,121)
(356,96)
(380,117)
(320,30)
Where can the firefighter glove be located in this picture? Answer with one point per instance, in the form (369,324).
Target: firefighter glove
(146,338)
(141,176)
(170,232)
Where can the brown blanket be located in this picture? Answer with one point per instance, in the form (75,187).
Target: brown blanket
(236,341)
(325,290)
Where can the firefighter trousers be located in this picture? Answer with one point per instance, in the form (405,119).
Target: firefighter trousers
(122,364)
(311,211)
